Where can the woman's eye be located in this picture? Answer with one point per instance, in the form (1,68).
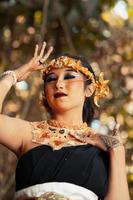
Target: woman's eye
(50,79)
(69,76)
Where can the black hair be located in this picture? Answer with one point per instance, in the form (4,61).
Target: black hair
(89,106)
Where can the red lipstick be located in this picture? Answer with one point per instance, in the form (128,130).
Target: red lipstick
(59,94)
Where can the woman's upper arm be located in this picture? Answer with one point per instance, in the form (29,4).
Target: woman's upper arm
(13,132)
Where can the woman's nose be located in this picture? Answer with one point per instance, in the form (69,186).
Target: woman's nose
(59,83)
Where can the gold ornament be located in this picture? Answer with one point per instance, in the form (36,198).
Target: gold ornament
(101,89)
(51,196)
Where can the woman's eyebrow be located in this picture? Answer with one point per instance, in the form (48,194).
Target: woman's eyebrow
(66,70)
(50,73)
(71,70)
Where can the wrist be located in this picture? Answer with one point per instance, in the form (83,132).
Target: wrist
(10,74)
(118,150)
(21,72)
(17,74)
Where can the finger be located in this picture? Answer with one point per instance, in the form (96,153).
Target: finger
(42,50)
(47,54)
(36,51)
(90,141)
(116,129)
(93,136)
(88,133)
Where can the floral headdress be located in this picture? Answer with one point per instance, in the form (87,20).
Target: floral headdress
(101,85)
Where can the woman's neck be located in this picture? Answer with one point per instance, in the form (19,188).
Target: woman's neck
(72,117)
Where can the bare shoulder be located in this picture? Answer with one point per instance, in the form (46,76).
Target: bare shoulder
(14,132)
(30,139)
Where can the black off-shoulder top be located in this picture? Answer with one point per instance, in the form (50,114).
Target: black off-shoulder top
(83,165)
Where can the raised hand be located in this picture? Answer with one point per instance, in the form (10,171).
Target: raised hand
(40,57)
(37,62)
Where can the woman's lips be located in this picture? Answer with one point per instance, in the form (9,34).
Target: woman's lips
(59,94)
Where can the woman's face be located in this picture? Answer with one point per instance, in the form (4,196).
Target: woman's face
(64,89)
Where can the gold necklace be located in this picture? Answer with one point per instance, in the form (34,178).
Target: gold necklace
(58,135)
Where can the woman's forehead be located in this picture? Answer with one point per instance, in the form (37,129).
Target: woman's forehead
(62,70)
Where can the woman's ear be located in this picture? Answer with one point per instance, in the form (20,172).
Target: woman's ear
(89,90)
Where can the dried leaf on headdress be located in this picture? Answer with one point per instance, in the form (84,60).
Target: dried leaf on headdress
(102,88)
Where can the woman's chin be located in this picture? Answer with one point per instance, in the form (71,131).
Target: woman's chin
(61,107)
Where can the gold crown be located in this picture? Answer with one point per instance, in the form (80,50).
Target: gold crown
(101,85)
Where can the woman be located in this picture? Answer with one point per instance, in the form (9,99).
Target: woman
(63,158)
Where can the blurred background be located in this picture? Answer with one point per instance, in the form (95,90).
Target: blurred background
(100,30)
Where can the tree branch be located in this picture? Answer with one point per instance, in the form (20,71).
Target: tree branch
(65,27)
(44,19)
